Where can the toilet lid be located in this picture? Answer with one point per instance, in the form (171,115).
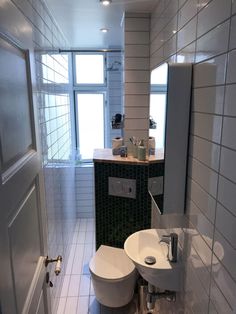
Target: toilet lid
(111,263)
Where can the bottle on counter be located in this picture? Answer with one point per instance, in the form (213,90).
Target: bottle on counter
(141,151)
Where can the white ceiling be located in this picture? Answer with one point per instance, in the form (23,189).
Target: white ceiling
(81,20)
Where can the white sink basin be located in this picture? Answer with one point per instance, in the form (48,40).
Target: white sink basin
(162,274)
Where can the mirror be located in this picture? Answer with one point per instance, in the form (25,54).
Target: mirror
(157,108)
(170,97)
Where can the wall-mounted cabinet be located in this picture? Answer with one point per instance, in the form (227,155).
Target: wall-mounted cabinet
(173,82)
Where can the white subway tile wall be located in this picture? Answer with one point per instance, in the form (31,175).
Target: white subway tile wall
(206,36)
(136,76)
(84,191)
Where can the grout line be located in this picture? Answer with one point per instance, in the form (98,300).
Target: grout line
(201,210)
(200,186)
(218,179)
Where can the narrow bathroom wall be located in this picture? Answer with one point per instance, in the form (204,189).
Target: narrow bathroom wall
(203,32)
(136,76)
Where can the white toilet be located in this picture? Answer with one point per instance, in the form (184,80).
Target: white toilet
(113,276)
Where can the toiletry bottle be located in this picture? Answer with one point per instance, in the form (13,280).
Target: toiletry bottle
(141,151)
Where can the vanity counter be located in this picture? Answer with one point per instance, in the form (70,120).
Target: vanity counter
(105,155)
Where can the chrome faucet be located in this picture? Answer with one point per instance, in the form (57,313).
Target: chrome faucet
(172,241)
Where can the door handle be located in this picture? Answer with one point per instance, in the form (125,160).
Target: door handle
(58,262)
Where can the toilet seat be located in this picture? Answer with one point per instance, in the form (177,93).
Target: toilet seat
(111,263)
(113,276)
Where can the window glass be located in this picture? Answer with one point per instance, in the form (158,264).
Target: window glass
(157,112)
(89,69)
(90,120)
(159,75)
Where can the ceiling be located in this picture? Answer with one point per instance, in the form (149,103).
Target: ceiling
(81,20)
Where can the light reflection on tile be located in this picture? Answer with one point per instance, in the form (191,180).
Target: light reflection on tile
(83,304)
(213,43)
(71,305)
(73,290)
(211,72)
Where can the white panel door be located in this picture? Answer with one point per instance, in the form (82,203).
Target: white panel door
(22,245)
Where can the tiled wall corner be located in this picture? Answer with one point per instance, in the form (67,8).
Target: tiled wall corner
(203,32)
(136,76)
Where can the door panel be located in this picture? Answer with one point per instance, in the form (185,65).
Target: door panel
(35,301)
(15,116)
(24,239)
(41,306)
(22,224)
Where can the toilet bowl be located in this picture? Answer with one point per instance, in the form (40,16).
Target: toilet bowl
(113,276)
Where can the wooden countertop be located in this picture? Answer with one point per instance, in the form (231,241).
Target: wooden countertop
(105,155)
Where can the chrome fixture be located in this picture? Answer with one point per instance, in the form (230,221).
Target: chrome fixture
(153,294)
(172,241)
(149,294)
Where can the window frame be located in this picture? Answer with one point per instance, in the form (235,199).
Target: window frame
(88,85)
(71,88)
(158,89)
(89,91)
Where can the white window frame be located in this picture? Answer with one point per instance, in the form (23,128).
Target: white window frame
(85,85)
(79,91)
(89,89)
(72,88)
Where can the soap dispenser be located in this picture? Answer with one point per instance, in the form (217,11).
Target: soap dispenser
(141,151)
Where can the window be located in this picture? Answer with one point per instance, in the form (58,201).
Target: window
(158,112)
(159,75)
(159,78)
(90,123)
(75,84)
(89,69)
(90,92)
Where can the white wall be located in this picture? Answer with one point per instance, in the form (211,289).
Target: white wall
(194,31)
(136,76)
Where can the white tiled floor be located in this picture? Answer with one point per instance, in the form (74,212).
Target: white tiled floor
(77,294)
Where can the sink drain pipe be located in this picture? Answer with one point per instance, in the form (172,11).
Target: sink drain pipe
(153,294)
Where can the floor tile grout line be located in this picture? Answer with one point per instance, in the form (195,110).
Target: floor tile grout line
(87,229)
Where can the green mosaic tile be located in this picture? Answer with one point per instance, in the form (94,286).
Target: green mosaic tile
(118,217)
